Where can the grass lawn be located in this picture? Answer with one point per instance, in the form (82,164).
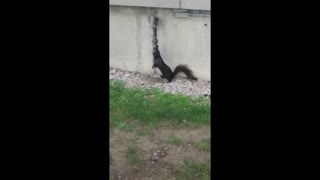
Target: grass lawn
(153,107)
(145,120)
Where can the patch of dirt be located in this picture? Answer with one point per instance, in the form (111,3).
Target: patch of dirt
(160,159)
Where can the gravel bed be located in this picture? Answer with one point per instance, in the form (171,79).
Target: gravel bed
(179,85)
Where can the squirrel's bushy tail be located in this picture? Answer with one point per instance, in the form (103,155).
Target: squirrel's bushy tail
(184,68)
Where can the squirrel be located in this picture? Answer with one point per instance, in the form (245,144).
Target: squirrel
(167,72)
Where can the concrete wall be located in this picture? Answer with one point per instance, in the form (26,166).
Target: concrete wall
(177,4)
(181,40)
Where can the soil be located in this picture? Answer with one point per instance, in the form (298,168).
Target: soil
(161,160)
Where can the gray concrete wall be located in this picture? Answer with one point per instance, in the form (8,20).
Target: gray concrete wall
(181,40)
(177,4)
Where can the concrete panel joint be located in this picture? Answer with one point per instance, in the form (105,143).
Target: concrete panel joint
(191,13)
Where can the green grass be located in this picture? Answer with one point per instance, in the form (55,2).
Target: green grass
(172,139)
(191,171)
(204,145)
(133,157)
(152,107)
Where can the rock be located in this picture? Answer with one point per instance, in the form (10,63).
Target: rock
(177,86)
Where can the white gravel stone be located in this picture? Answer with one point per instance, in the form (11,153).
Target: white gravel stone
(179,85)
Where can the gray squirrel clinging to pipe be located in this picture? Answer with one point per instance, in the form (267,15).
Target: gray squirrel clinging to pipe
(158,61)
